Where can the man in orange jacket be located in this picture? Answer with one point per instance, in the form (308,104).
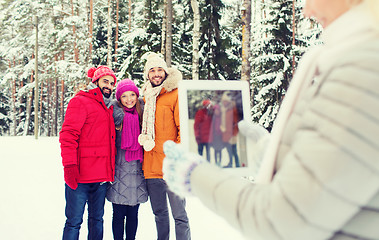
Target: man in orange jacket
(161,123)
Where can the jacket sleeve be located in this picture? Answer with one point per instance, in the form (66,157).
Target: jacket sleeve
(69,136)
(118,114)
(235,121)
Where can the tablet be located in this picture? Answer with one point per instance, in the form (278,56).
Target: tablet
(209,114)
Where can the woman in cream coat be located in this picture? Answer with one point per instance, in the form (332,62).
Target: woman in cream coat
(319,177)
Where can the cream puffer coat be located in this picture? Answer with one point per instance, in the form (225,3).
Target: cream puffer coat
(323,182)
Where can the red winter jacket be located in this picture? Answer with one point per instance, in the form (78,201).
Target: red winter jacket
(203,126)
(88,137)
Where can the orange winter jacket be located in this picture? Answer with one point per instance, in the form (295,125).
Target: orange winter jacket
(166,125)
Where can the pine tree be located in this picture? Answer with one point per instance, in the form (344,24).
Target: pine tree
(4,110)
(273,54)
(215,63)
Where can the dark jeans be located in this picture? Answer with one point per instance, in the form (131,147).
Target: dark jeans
(119,225)
(232,151)
(158,192)
(200,149)
(94,195)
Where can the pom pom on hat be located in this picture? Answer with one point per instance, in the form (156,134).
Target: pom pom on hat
(125,85)
(101,71)
(91,72)
(153,60)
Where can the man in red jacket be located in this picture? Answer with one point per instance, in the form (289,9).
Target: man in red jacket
(88,150)
(202,128)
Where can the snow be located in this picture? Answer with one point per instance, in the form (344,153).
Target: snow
(32,203)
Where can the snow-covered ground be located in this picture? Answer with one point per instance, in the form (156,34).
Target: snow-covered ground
(32,198)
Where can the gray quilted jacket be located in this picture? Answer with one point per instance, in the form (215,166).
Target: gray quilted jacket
(129,186)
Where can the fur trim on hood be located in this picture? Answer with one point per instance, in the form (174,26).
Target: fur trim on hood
(172,80)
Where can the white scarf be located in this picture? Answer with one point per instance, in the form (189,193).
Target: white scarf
(147,136)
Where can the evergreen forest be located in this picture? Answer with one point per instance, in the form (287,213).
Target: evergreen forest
(47,46)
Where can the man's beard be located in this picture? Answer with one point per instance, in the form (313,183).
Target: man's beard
(105,94)
(156,85)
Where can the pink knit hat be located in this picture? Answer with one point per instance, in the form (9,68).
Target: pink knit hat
(101,71)
(125,85)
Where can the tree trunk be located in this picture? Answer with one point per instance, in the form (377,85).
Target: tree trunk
(76,53)
(90,29)
(41,99)
(49,110)
(147,11)
(264,13)
(56,112)
(36,124)
(169,33)
(109,58)
(54,107)
(246,24)
(28,111)
(130,16)
(164,29)
(196,38)
(62,102)
(116,42)
(20,100)
(13,106)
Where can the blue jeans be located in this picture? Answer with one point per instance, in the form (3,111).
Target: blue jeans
(94,195)
(158,193)
(232,151)
(119,225)
(200,150)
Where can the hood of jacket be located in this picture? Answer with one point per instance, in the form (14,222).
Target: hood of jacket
(172,80)
(91,87)
(94,93)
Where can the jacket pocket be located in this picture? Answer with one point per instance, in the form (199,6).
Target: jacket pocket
(94,163)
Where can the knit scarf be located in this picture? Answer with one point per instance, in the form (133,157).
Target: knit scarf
(147,137)
(129,135)
(224,108)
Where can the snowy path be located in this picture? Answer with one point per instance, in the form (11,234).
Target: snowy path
(32,202)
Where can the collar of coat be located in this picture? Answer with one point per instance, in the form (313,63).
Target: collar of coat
(95,94)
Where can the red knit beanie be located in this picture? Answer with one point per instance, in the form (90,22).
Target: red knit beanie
(206,102)
(101,71)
